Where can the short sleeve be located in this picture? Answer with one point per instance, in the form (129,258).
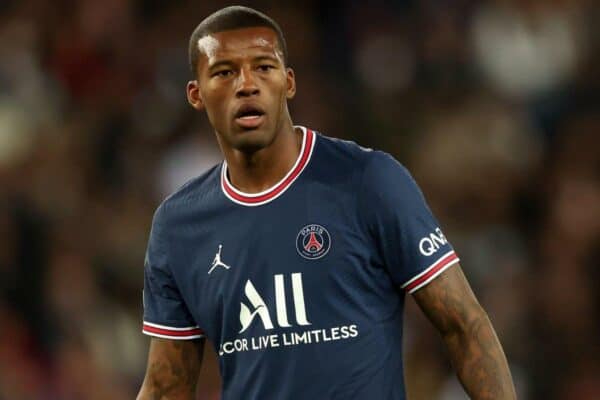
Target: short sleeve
(408,239)
(165,313)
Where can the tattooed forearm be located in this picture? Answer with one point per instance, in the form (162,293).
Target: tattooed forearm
(479,361)
(474,348)
(173,368)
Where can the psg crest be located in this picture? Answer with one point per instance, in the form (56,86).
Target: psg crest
(313,241)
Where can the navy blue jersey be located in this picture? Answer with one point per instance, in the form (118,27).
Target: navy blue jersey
(300,287)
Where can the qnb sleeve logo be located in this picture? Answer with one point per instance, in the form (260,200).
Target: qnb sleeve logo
(429,245)
(261,311)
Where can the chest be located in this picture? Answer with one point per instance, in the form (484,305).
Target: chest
(267,269)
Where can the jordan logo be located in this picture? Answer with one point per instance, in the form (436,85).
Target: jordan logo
(217,261)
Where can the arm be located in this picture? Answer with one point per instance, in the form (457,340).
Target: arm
(475,351)
(173,368)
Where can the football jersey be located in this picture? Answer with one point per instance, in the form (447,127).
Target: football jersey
(300,287)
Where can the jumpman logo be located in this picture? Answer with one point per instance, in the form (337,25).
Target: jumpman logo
(217,261)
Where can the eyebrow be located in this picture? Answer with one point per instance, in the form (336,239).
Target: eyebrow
(220,64)
(229,63)
(266,58)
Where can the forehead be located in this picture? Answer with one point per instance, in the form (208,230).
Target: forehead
(238,43)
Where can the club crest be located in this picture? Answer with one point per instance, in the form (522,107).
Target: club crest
(313,242)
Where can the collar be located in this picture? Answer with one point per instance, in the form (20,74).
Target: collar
(266,196)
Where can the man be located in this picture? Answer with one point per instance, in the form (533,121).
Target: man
(294,254)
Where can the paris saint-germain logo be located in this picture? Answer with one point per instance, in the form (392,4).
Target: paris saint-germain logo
(313,242)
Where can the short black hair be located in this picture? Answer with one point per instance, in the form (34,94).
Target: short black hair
(231,18)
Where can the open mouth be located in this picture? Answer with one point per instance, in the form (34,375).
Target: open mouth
(249,116)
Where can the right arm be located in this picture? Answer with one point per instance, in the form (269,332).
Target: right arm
(173,369)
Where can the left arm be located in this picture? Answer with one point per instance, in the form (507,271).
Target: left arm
(474,348)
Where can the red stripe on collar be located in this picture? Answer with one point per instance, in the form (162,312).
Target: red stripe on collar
(255,199)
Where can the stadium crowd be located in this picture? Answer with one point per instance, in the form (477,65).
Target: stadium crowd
(493,105)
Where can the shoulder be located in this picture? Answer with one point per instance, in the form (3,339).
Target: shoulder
(388,183)
(359,157)
(382,167)
(194,194)
(372,171)
(342,150)
(340,160)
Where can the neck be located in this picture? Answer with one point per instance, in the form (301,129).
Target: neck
(258,171)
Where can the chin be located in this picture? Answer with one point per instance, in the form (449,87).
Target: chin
(252,140)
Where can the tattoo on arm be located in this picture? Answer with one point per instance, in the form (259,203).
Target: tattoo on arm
(173,368)
(474,348)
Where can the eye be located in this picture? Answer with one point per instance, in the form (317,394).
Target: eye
(224,73)
(265,67)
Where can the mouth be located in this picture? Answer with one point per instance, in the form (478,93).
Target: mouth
(249,116)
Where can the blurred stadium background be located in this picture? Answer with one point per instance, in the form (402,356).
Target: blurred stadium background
(493,105)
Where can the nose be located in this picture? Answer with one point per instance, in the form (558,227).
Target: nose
(246,84)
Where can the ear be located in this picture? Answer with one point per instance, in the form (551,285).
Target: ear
(193,95)
(291,83)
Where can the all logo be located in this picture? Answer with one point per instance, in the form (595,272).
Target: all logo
(313,242)
(260,310)
(283,312)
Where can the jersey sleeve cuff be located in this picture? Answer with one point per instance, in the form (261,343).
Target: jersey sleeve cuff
(169,332)
(431,272)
